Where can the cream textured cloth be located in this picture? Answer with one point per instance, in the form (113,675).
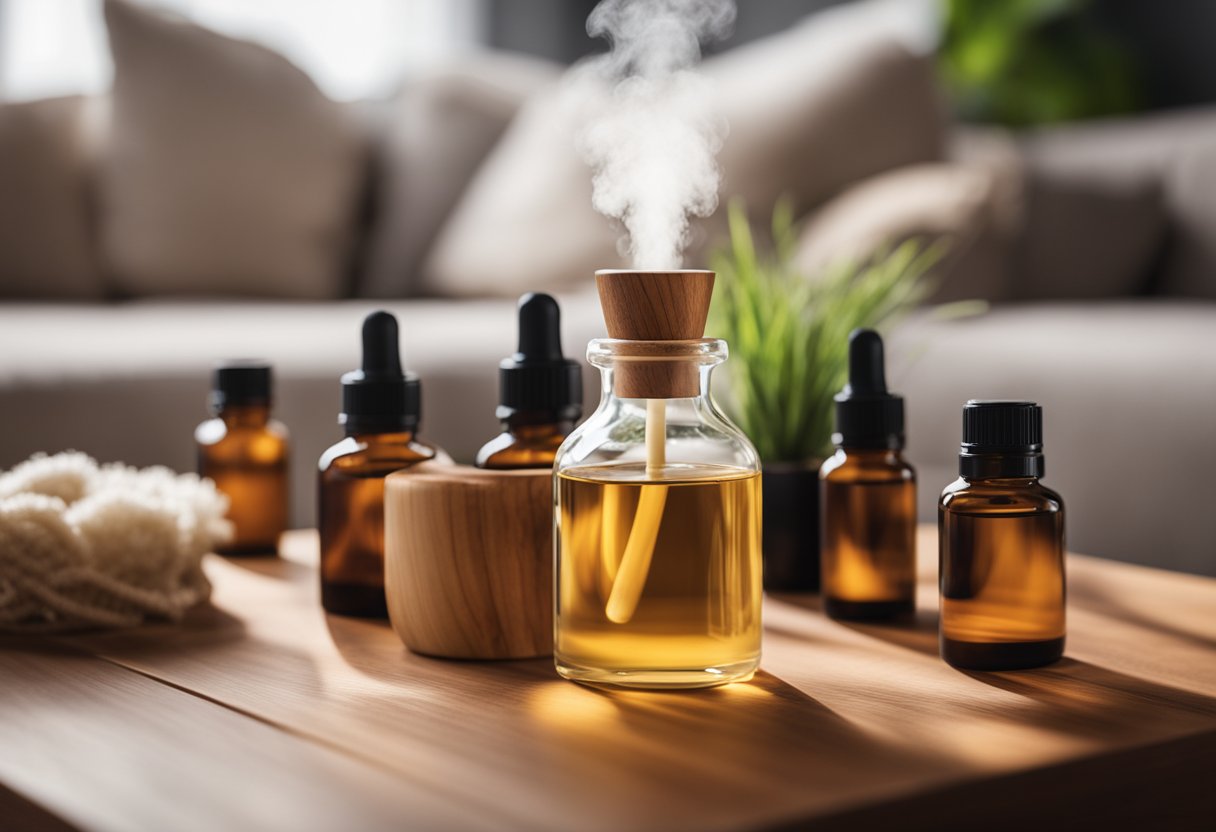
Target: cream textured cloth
(84,546)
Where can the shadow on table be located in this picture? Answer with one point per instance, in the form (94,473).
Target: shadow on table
(205,627)
(1070,696)
(918,633)
(1098,600)
(1084,699)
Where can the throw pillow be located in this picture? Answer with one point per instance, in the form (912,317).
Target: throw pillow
(1087,236)
(1190,267)
(970,208)
(47,238)
(810,111)
(229,173)
(431,138)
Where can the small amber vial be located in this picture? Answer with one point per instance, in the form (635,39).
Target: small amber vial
(540,392)
(245,452)
(868,497)
(381,405)
(1001,545)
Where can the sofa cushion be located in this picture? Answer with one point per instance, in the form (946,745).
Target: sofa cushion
(972,209)
(228,173)
(129,381)
(1111,382)
(47,237)
(1091,226)
(1088,235)
(430,140)
(810,111)
(1190,267)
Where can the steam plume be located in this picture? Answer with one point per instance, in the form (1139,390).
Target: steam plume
(651,133)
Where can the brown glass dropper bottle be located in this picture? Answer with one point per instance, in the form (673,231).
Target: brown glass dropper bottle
(540,392)
(868,516)
(380,410)
(245,452)
(1001,539)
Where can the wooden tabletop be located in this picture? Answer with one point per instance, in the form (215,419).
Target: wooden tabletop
(260,712)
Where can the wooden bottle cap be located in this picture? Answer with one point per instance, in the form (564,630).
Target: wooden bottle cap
(468,566)
(655,306)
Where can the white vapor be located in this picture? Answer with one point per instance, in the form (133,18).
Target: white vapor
(651,133)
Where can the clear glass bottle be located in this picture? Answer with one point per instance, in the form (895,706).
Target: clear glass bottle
(658,565)
(245,452)
(1001,545)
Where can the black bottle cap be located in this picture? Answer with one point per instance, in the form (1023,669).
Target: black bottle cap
(379,397)
(538,378)
(1001,438)
(867,416)
(241,381)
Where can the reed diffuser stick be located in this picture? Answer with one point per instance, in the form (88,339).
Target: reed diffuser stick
(651,309)
(635,562)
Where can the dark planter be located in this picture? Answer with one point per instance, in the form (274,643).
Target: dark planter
(791,527)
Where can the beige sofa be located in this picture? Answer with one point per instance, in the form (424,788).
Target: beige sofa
(141,240)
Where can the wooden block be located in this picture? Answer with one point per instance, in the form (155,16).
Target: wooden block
(469,561)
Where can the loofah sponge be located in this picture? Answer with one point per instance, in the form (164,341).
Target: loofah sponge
(85,546)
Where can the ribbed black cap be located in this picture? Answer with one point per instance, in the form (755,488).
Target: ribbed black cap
(867,416)
(379,397)
(538,378)
(242,381)
(1001,438)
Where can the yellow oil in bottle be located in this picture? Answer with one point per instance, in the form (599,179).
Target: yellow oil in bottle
(660,577)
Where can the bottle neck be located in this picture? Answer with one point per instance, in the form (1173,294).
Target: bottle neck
(873,455)
(245,415)
(700,391)
(394,438)
(534,424)
(994,466)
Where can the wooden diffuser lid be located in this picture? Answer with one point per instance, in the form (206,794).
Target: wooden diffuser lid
(660,309)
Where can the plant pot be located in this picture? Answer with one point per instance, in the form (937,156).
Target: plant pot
(791,527)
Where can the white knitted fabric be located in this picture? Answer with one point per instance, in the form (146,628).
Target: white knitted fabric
(85,546)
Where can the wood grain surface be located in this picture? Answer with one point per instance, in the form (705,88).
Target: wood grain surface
(263,701)
(649,306)
(468,561)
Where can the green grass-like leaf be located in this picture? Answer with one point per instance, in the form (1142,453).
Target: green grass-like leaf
(788,332)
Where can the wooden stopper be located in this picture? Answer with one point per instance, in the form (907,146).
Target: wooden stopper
(468,565)
(655,306)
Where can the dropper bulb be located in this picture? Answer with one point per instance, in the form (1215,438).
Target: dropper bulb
(540,338)
(866,375)
(381,350)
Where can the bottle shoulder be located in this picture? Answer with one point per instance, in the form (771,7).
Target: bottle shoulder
(999,497)
(869,466)
(370,455)
(223,441)
(695,433)
(507,451)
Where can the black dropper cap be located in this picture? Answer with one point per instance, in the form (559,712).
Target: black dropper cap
(241,381)
(1001,438)
(538,378)
(867,416)
(379,397)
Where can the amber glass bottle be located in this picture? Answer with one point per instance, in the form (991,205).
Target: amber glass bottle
(380,412)
(1001,545)
(245,452)
(540,392)
(868,499)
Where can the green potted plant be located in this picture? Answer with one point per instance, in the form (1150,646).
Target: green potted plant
(788,334)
